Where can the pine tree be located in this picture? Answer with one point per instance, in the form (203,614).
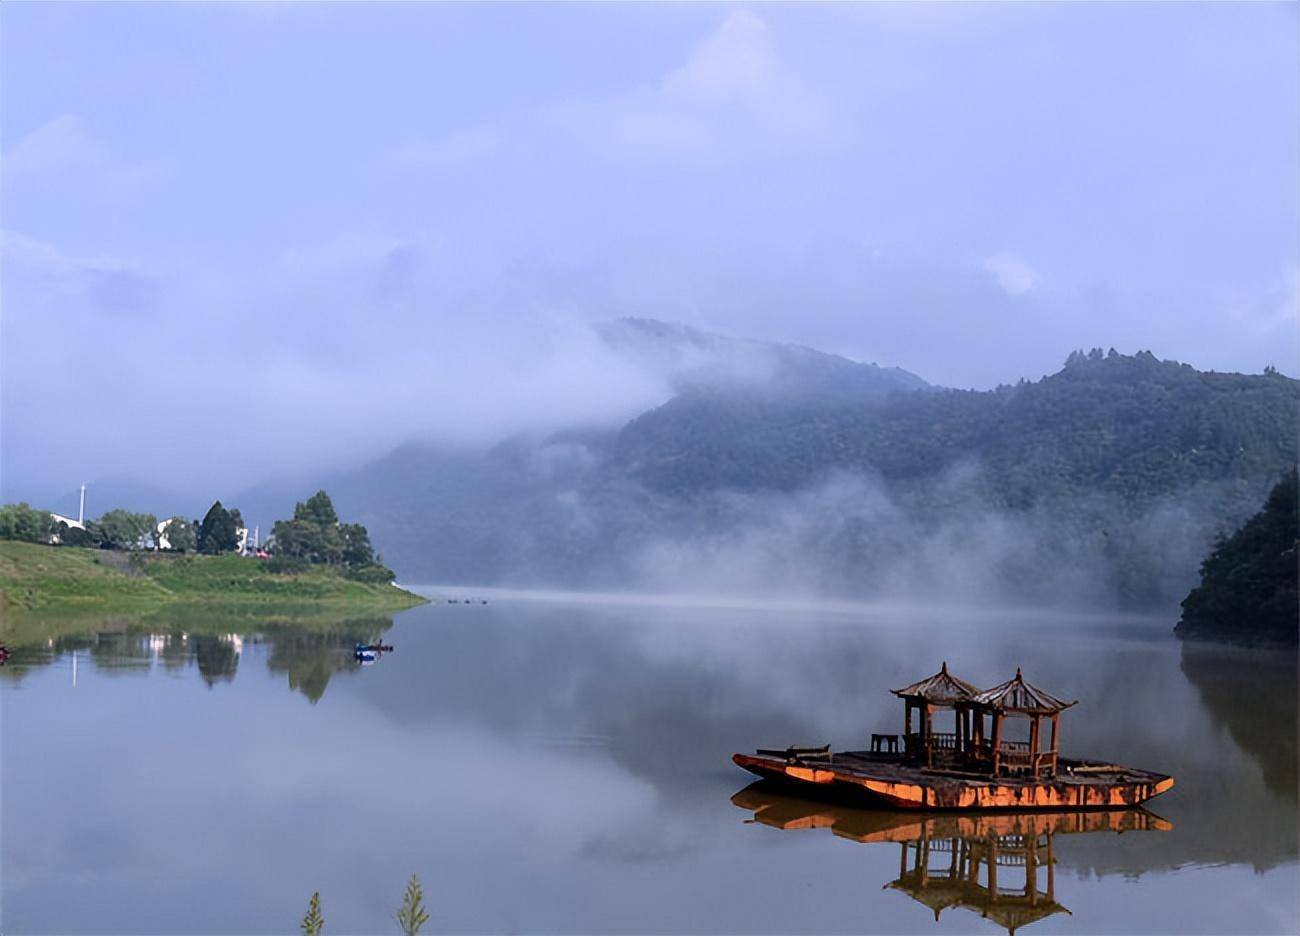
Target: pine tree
(313,924)
(217,532)
(411,915)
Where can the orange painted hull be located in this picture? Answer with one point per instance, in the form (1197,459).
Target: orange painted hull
(882,782)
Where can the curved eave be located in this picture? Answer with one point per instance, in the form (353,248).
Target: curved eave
(1009,710)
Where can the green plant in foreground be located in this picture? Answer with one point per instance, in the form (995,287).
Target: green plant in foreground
(411,915)
(313,923)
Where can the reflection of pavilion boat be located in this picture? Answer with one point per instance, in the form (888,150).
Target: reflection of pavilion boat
(956,859)
(967,768)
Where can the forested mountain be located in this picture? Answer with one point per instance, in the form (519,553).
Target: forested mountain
(1102,484)
(1248,588)
(1134,426)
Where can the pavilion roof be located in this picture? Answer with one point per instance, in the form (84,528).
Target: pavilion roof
(941,687)
(1010,911)
(1016,695)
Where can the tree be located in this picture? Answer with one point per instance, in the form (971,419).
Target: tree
(90,535)
(318,509)
(26,523)
(313,534)
(122,529)
(313,924)
(357,550)
(180,535)
(411,914)
(217,533)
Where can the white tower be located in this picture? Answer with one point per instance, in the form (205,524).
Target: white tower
(81,511)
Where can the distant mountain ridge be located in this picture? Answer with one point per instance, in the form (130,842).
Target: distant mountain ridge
(692,359)
(775,467)
(1104,482)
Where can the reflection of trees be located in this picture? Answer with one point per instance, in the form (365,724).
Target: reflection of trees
(217,658)
(309,651)
(120,652)
(1252,693)
(311,658)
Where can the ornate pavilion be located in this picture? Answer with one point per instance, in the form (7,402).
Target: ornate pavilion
(973,745)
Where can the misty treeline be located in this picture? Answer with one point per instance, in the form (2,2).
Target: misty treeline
(314,536)
(1103,485)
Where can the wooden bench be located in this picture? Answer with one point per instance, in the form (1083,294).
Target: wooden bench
(884,742)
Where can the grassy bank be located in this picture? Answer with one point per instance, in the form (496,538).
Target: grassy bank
(71,580)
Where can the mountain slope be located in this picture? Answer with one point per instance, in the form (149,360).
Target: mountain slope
(1103,483)
(1248,588)
(1130,425)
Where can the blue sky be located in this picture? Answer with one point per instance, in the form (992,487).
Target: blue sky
(326,229)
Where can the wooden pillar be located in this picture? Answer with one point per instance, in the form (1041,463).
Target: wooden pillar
(1051,870)
(992,856)
(997,741)
(926,730)
(907,720)
(1031,871)
(902,862)
(1033,746)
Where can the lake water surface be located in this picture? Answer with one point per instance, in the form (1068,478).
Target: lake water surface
(556,765)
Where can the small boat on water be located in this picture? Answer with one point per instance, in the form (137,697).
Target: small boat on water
(970,768)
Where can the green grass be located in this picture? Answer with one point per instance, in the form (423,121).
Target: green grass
(71,580)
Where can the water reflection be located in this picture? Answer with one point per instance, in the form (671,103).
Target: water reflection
(1001,866)
(1251,693)
(598,743)
(309,654)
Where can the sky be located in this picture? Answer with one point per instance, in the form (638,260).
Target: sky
(246,241)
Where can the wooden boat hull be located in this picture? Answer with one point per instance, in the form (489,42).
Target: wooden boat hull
(884,780)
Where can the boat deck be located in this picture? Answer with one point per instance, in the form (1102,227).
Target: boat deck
(892,779)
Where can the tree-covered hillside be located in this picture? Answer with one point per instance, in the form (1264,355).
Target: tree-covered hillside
(1102,484)
(1248,588)
(1133,426)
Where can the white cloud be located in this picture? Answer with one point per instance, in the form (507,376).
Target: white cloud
(732,98)
(65,149)
(1013,274)
(462,147)
(1275,313)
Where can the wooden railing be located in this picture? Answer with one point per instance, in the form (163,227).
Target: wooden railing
(943,741)
(1014,757)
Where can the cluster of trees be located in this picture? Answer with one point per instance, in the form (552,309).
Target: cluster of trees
(26,523)
(316,537)
(218,532)
(313,537)
(1248,590)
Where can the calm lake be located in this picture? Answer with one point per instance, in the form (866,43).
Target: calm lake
(548,764)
